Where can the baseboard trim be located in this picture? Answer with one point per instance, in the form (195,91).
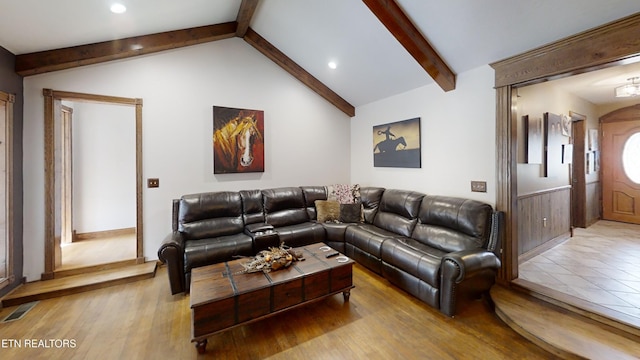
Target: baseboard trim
(544,247)
(103,234)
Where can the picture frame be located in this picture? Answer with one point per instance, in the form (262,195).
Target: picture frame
(397,144)
(553,139)
(566,125)
(533,139)
(593,139)
(567,153)
(238,140)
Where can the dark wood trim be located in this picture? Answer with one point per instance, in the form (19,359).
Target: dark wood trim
(66,58)
(245,13)
(139,184)
(577,171)
(49,187)
(507,185)
(605,46)
(270,51)
(398,23)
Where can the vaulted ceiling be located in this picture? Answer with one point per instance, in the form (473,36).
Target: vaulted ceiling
(381,47)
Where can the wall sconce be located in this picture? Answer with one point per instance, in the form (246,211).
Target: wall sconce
(629,90)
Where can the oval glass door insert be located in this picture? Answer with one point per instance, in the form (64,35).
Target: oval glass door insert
(631,158)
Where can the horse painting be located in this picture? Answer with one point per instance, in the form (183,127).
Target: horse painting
(390,145)
(397,144)
(238,143)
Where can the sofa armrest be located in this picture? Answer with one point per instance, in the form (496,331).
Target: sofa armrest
(257,228)
(479,266)
(263,236)
(171,252)
(463,264)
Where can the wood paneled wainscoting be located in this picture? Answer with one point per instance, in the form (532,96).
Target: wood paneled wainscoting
(594,202)
(544,219)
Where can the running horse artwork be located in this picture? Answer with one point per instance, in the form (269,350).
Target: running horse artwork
(238,144)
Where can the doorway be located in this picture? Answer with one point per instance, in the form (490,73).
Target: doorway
(59,199)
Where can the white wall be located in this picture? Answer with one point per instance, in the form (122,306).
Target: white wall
(306,138)
(458,138)
(104,167)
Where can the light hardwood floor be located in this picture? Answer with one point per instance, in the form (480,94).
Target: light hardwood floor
(142,320)
(98,251)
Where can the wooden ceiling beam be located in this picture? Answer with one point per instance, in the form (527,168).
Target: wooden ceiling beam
(277,56)
(399,24)
(66,58)
(245,14)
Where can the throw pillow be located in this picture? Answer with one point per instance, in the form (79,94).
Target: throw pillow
(327,210)
(344,193)
(350,213)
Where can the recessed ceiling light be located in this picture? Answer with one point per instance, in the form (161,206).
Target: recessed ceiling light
(332,65)
(118,8)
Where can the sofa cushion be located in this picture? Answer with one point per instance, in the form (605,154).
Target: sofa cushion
(311,194)
(252,206)
(398,211)
(453,224)
(415,258)
(370,198)
(301,234)
(367,237)
(284,206)
(208,215)
(209,251)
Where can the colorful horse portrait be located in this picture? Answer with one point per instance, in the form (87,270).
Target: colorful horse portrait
(238,143)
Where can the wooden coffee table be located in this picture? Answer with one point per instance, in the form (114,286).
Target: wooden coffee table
(223,297)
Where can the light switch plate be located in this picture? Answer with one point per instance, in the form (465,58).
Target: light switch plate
(479,186)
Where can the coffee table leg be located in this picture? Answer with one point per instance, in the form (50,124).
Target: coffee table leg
(346,295)
(201,346)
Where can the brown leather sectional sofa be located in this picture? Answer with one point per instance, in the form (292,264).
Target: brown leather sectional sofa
(433,247)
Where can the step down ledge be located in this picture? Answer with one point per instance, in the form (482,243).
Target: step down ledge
(42,290)
(559,331)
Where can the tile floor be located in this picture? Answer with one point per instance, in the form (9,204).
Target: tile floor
(600,264)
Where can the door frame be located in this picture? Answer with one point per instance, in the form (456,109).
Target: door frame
(625,114)
(615,43)
(52,99)
(9,99)
(578,177)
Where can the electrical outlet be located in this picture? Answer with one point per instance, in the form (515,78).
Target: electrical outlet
(479,186)
(153,183)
